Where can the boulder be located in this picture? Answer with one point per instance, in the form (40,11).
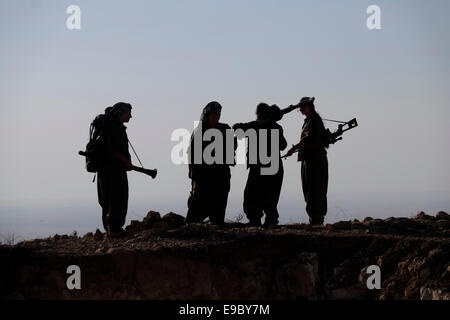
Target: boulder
(152,216)
(423,216)
(343,225)
(367,219)
(433,294)
(174,220)
(299,278)
(441,215)
(98,235)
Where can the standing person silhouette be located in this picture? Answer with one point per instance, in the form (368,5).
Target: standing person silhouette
(262,192)
(313,155)
(210,182)
(112,181)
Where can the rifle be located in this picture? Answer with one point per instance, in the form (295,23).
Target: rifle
(151,173)
(332,138)
(276,114)
(336,136)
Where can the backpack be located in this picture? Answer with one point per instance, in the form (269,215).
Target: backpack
(96,149)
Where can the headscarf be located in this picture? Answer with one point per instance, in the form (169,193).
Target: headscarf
(119,109)
(198,134)
(210,107)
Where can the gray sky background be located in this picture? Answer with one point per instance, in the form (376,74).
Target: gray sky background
(170,58)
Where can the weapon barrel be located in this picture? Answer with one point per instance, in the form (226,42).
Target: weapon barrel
(289,109)
(151,173)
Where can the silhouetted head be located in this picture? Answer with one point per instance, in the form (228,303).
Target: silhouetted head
(307,107)
(121,110)
(262,111)
(211,114)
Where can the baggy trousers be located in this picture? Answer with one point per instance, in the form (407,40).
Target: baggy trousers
(261,195)
(314,175)
(208,198)
(112,189)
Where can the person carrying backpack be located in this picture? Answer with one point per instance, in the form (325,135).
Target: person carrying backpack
(112,166)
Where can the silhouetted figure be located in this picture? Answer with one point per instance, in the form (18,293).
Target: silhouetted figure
(112,182)
(313,155)
(262,192)
(210,182)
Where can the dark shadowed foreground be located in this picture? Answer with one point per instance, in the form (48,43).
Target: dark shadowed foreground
(165,259)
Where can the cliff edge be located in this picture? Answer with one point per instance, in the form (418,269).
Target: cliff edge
(163,258)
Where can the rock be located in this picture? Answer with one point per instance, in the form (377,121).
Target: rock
(135,226)
(412,292)
(160,226)
(423,216)
(98,236)
(151,217)
(441,215)
(425,274)
(350,293)
(174,220)
(346,274)
(343,225)
(446,274)
(433,294)
(119,251)
(134,223)
(443,224)
(299,278)
(389,259)
(367,219)
(88,236)
(374,222)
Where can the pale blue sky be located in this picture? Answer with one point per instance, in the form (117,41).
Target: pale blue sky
(170,58)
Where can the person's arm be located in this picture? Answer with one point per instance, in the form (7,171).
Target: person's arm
(235,144)
(283,142)
(127,163)
(245,125)
(310,140)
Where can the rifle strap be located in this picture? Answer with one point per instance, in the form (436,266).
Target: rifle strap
(135,153)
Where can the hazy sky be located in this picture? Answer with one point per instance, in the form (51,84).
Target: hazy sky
(170,58)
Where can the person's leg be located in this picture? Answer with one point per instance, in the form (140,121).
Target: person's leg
(219,199)
(272,189)
(252,202)
(102,192)
(271,216)
(315,189)
(118,200)
(196,203)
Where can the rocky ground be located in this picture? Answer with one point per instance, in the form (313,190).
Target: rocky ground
(162,258)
